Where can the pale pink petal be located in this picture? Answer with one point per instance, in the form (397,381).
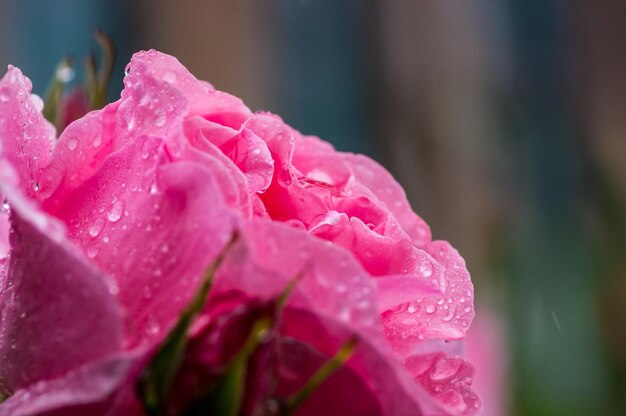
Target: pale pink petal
(58,311)
(25,136)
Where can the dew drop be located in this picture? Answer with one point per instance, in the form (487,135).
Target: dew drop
(169,77)
(92,252)
(431,309)
(72,144)
(160,117)
(448,316)
(426,268)
(96,227)
(115,213)
(412,308)
(97,141)
(4,96)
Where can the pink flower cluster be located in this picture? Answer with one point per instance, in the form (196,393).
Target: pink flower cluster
(107,232)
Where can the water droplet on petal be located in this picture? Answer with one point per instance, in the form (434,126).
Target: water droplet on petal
(448,317)
(412,308)
(92,252)
(426,268)
(169,77)
(115,213)
(72,143)
(96,227)
(431,309)
(160,117)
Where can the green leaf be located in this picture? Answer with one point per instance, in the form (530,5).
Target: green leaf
(156,381)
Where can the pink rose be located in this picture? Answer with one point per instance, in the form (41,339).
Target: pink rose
(112,228)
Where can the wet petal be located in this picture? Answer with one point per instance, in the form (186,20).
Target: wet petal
(448,380)
(446,315)
(369,174)
(96,389)
(153,227)
(78,154)
(25,136)
(58,311)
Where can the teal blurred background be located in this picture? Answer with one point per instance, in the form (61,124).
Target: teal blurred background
(504,120)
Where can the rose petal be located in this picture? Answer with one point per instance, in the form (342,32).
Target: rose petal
(78,154)
(252,157)
(369,174)
(444,316)
(25,136)
(203,100)
(146,225)
(96,389)
(379,254)
(58,312)
(448,380)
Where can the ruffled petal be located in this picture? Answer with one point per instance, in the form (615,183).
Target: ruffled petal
(372,176)
(446,315)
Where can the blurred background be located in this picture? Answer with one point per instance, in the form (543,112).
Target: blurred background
(505,121)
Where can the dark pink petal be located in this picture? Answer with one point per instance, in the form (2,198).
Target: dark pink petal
(198,129)
(153,227)
(73,106)
(58,311)
(343,393)
(99,388)
(448,379)
(25,136)
(375,178)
